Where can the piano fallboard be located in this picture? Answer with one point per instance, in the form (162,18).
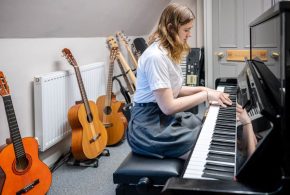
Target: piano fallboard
(184,186)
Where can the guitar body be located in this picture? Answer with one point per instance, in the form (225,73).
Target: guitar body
(16,180)
(83,147)
(115,122)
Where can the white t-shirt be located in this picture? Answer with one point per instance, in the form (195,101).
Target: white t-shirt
(156,70)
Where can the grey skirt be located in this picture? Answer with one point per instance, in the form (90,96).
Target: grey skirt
(152,133)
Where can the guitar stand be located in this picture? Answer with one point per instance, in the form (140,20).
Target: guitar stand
(87,163)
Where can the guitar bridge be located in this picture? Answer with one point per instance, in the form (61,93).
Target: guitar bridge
(108,125)
(27,188)
(95,138)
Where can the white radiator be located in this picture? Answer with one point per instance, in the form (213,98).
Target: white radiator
(55,93)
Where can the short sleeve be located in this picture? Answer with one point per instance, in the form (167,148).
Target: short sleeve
(157,72)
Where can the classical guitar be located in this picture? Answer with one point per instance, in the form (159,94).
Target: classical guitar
(21,171)
(110,110)
(123,39)
(112,43)
(89,136)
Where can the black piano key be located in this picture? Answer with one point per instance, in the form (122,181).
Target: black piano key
(223,131)
(221,143)
(228,129)
(224,125)
(225,114)
(229,114)
(221,148)
(224,140)
(217,172)
(220,168)
(222,153)
(221,127)
(225,120)
(223,165)
(229,108)
(214,176)
(221,157)
(220,136)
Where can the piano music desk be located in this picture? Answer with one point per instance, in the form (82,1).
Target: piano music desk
(145,175)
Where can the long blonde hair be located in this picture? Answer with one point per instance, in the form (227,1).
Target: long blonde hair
(172,17)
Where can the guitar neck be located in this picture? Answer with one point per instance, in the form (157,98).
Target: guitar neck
(127,68)
(109,85)
(132,56)
(13,128)
(126,79)
(83,93)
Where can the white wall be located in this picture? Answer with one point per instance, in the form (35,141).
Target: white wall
(22,59)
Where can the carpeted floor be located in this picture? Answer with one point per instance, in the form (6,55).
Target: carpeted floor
(77,180)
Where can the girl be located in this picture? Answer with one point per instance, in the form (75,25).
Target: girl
(159,126)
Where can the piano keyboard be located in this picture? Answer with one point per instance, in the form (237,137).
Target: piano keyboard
(214,154)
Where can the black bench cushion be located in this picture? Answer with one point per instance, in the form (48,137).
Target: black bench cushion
(157,170)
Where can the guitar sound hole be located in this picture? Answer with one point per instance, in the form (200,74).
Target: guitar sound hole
(22,165)
(107,110)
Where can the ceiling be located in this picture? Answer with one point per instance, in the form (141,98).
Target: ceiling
(77,18)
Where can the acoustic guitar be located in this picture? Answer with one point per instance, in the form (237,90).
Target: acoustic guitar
(89,136)
(123,39)
(110,110)
(21,171)
(113,43)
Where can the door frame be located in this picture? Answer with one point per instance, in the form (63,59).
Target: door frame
(208,52)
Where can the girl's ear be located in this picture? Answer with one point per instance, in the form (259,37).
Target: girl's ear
(169,27)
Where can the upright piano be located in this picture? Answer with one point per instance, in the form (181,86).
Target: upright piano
(218,164)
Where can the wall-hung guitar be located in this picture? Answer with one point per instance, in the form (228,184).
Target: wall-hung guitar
(110,110)
(21,171)
(89,136)
(112,42)
(124,40)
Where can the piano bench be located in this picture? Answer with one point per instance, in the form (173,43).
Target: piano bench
(145,175)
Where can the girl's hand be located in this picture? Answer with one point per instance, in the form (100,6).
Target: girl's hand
(217,97)
(242,115)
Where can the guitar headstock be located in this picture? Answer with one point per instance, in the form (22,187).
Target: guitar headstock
(113,54)
(4,88)
(114,48)
(122,38)
(68,55)
(112,43)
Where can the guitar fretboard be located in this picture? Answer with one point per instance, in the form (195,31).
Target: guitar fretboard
(13,128)
(83,93)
